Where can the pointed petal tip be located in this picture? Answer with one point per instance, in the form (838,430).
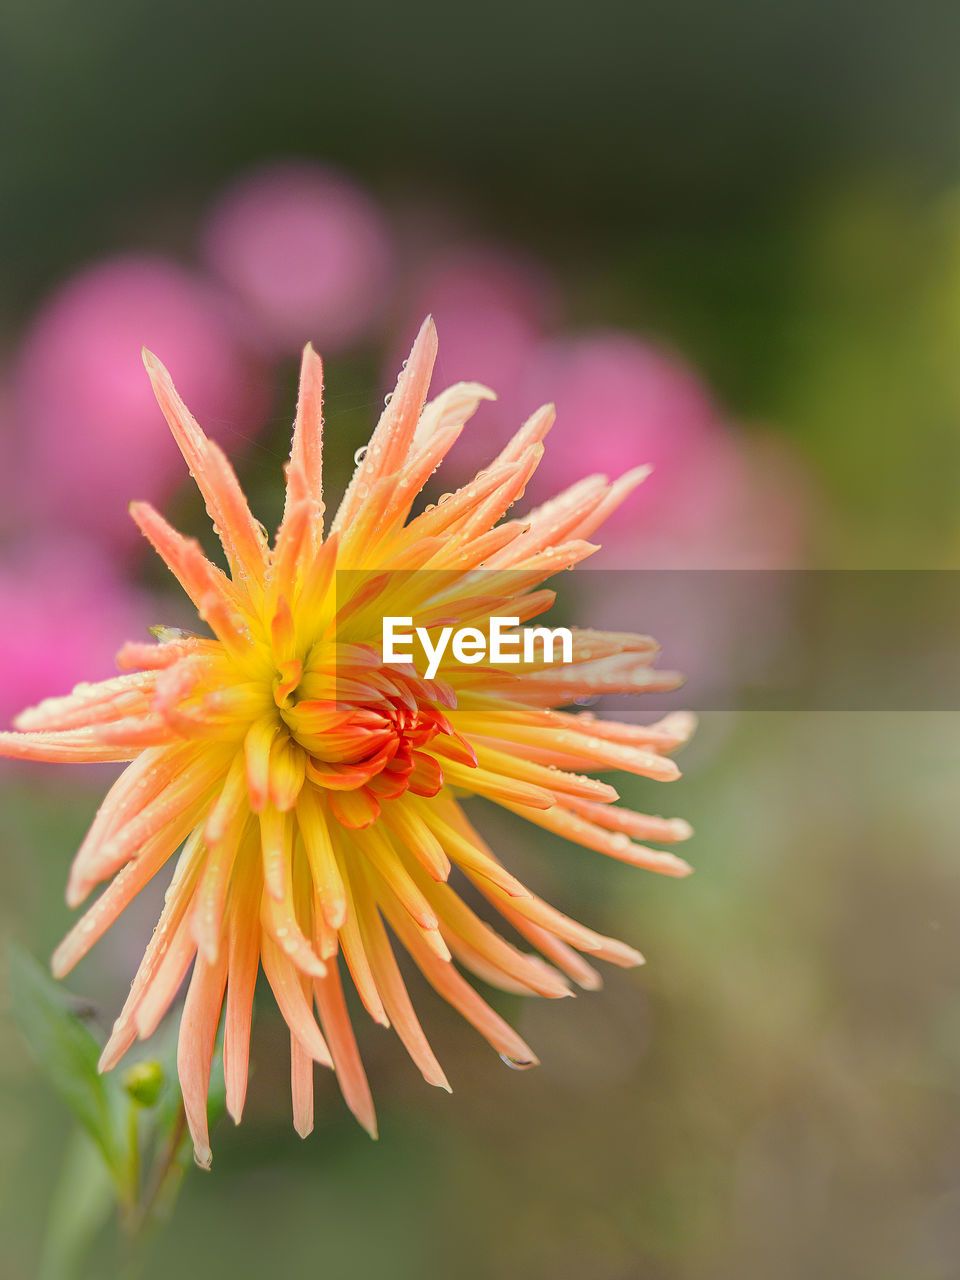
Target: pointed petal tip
(202,1157)
(681,724)
(76,893)
(156,369)
(59,967)
(520,1064)
(304,1128)
(311,362)
(667,770)
(543,418)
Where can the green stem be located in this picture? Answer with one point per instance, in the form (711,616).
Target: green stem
(166,1168)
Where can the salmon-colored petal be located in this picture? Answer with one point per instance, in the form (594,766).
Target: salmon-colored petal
(243,942)
(242,538)
(301,1087)
(305,468)
(444,978)
(353,944)
(198,1031)
(394,433)
(121,891)
(291,998)
(177,902)
(343,1046)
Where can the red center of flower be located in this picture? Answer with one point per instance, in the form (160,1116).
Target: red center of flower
(370,732)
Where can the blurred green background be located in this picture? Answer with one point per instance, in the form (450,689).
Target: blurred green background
(772,189)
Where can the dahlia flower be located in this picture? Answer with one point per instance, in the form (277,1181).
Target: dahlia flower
(313,790)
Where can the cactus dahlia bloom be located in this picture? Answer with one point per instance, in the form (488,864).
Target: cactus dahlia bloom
(313,789)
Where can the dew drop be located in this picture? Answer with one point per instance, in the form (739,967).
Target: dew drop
(515,1064)
(387,398)
(359,456)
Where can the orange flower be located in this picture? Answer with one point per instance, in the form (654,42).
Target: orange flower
(313,787)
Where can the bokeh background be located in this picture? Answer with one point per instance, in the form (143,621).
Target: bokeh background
(725,239)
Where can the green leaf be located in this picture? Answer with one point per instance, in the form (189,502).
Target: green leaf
(67,1053)
(81,1205)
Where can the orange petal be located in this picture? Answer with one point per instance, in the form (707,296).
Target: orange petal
(198,1031)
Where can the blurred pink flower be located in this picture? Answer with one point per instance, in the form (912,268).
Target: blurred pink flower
(774,526)
(63,613)
(765,520)
(305,250)
(10,467)
(623,402)
(91,434)
(492,307)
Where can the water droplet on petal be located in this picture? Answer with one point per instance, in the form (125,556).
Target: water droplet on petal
(359,456)
(515,1064)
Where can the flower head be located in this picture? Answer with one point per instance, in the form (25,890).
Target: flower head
(315,788)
